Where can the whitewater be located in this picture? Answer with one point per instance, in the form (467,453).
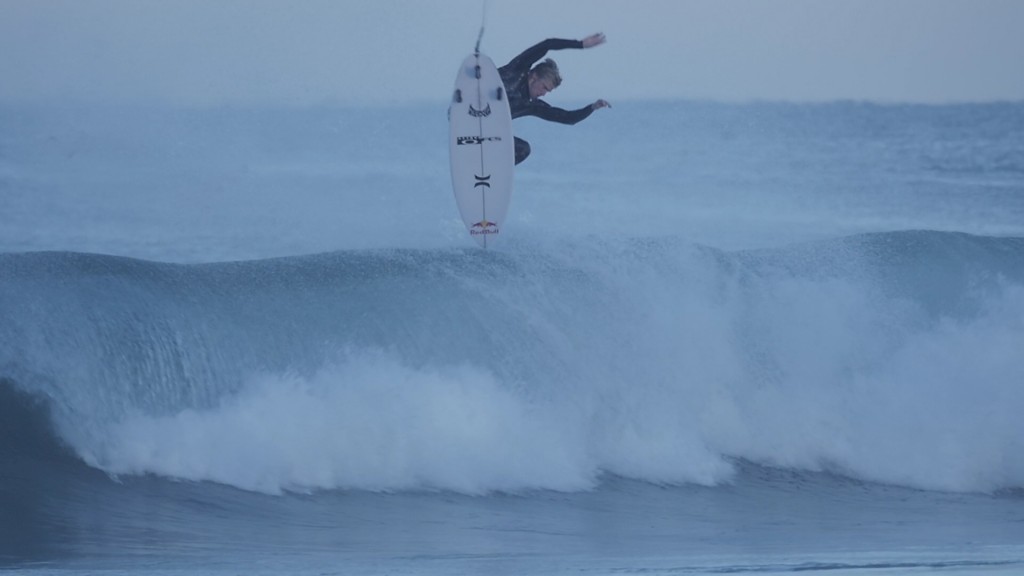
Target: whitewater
(713,338)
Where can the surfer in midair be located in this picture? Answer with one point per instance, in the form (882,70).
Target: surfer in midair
(525,84)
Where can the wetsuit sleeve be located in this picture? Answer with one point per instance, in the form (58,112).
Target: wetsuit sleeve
(545,111)
(538,50)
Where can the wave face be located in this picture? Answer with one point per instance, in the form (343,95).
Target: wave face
(892,357)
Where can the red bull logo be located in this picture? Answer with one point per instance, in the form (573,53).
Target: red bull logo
(483,227)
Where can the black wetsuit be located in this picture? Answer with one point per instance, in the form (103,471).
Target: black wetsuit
(515,75)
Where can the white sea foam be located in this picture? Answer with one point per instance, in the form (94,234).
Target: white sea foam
(369,423)
(820,376)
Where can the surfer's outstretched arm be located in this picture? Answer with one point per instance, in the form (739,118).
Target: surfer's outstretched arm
(534,53)
(531,55)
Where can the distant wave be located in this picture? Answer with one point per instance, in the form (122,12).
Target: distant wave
(888,357)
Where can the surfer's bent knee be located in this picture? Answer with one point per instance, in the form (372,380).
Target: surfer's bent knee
(522,150)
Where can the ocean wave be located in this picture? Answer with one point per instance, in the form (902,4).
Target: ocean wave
(887,357)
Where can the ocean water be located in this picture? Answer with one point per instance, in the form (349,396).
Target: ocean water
(713,338)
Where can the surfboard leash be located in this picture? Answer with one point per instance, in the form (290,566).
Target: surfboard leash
(480,36)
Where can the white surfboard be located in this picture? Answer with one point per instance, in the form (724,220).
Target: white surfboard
(482,149)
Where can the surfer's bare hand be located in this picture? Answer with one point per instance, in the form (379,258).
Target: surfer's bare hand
(593,40)
(601,103)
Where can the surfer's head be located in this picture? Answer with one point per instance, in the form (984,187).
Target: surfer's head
(544,78)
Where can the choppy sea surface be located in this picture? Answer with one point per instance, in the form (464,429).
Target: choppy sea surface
(712,338)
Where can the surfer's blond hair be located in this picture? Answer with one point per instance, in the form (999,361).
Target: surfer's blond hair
(548,70)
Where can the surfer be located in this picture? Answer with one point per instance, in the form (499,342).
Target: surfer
(525,84)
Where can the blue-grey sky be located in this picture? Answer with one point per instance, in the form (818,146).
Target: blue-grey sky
(299,52)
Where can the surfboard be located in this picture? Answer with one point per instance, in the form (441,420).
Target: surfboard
(481,147)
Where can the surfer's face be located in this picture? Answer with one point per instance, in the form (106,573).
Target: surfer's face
(540,86)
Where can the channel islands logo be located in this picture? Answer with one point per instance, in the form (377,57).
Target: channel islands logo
(480,113)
